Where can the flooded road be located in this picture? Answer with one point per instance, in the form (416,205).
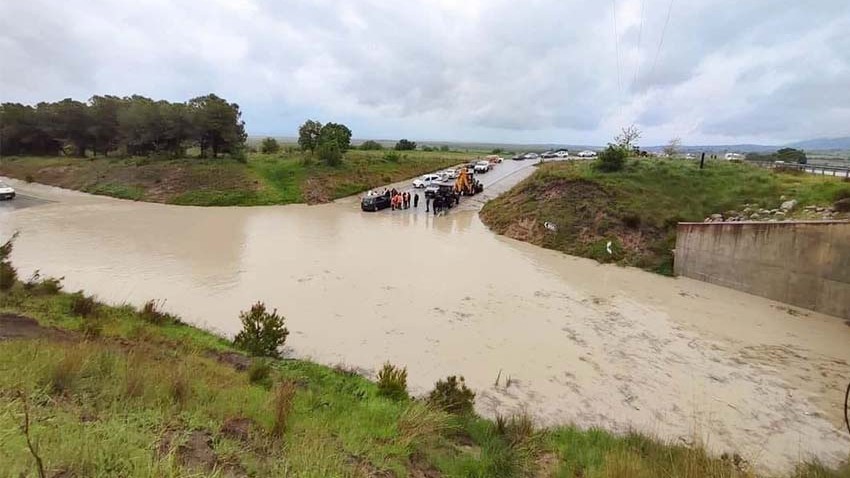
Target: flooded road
(581,342)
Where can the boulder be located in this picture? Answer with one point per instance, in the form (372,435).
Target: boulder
(788,205)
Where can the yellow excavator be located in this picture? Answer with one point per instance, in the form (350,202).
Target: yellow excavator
(466,184)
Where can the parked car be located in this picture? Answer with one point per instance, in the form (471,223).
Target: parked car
(587,154)
(549,154)
(426,180)
(6,191)
(375,203)
(518,157)
(450,174)
(482,166)
(531,156)
(562,153)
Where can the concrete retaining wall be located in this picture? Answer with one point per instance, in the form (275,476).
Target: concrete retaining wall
(806,264)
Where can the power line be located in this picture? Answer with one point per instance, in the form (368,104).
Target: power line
(640,38)
(661,41)
(617,49)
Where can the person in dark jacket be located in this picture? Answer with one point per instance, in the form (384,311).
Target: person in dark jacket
(415,200)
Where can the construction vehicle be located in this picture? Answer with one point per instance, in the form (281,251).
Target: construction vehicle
(466,184)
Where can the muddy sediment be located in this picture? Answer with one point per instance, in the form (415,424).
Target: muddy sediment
(580,342)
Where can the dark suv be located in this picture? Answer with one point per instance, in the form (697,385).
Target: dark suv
(375,203)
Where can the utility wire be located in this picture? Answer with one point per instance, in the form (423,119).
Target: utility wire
(617,49)
(661,41)
(640,38)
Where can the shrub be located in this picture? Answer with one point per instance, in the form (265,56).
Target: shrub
(392,382)
(444,148)
(371,146)
(405,145)
(284,395)
(428,149)
(330,153)
(91,328)
(43,285)
(631,220)
(82,305)
(452,395)
(152,312)
(28,178)
(262,332)
(8,274)
(259,372)
(612,159)
(392,157)
(269,146)
(842,205)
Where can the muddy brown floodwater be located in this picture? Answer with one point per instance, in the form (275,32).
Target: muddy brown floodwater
(582,343)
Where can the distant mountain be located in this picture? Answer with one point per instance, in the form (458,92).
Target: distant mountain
(823,144)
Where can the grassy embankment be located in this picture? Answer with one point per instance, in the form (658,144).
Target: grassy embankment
(283,178)
(637,209)
(114,391)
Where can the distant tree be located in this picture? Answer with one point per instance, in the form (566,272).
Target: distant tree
(371,146)
(330,153)
(496,151)
(338,133)
(628,137)
(269,146)
(444,148)
(308,135)
(105,128)
(428,149)
(217,125)
(613,158)
(791,155)
(71,125)
(405,145)
(672,148)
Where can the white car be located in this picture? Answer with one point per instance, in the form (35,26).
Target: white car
(482,166)
(587,154)
(562,154)
(426,180)
(6,191)
(450,174)
(531,156)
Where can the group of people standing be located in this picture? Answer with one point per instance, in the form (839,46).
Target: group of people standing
(402,200)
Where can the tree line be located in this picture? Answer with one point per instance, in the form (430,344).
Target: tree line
(130,125)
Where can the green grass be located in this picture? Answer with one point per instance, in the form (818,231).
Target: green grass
(285,178)
(102,406)
(637,208)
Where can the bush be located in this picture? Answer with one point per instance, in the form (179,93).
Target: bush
(392,157)
(82,305)
(28,178)
(405,145)
(259,372)
(452,395)
(392,382)
(444,148)
(371,146)
(262,332)
(612,159)
(8,274)
(151,312)
(428,149)
(842,205)
(330,154)
(269,146)
(43,285)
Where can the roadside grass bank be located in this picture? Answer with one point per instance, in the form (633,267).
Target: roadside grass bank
(263,179)
(88,389)
(638,207)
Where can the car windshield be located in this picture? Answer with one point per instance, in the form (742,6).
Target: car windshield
(3,185)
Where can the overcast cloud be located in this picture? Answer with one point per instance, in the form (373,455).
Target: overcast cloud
(768,71)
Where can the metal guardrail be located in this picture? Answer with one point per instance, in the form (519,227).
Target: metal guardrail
(837,171)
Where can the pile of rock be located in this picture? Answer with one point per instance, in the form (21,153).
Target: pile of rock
(753,212)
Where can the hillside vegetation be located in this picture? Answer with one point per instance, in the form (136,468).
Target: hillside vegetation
(88,389)
(638,207)
(285,178)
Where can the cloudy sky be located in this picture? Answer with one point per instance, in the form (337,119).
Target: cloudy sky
(563,71)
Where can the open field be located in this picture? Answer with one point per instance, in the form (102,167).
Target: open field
(113,391)
(637,209)
(286,178)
